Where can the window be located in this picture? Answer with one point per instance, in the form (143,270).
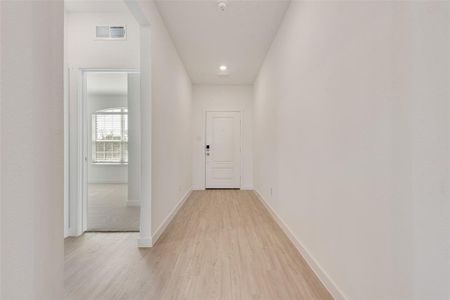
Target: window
(110,136)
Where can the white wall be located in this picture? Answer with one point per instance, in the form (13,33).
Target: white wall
(171,121)
(351,124)
(31,140)
(222,97)
(170,143)
(83,51)
(430,115)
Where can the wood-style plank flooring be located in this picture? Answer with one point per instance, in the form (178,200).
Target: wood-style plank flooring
(222,244)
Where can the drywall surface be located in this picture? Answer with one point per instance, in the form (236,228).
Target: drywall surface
(83,51)
(222,98)
(430,120)
(351,130)
(171,121)
(32,144)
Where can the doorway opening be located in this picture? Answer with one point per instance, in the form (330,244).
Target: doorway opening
(111,156)
(107,119)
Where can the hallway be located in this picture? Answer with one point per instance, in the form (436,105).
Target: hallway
(270,149)
(222,244)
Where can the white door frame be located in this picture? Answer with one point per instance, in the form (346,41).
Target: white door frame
(146,107)
(74,225)
(241,113)
(78,201)
(83,141)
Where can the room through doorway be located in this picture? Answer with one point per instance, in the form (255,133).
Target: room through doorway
(111,142)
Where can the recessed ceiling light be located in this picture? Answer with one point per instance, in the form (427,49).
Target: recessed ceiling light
(223,68)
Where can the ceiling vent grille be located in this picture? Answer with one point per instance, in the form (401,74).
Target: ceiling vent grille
(109,32)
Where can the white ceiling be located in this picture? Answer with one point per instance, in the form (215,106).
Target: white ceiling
(238,37)
(109,6)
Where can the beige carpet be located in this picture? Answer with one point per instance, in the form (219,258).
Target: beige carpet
(108,210)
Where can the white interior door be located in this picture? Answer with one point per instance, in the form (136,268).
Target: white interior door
(223,150)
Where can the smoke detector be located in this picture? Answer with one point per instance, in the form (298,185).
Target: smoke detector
(222,5)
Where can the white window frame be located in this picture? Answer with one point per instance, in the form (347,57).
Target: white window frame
(109,111)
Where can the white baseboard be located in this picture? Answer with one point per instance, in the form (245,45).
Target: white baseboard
(145,242)
(133,203)
(311,261)
(169,218)
(73,232)
(198,187)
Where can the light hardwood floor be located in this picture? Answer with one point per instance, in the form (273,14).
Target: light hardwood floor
(221,245)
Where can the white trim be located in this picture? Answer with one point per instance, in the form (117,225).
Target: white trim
(74,232)
(309,258)
(145,226)
(247,187)
(83,152)
(108,70)
(66,152)
(169,218)
(144,242)
(82,141)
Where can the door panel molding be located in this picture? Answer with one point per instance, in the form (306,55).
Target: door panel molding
(217,172)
